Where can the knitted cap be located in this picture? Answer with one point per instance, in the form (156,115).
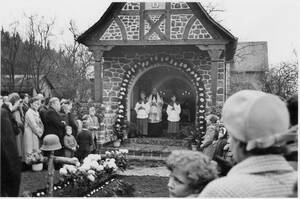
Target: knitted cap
(256,118)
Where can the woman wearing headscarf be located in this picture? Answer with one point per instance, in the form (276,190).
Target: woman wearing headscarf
(257,124)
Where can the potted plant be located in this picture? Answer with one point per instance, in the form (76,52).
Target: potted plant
(193,136)
(118,135)
(36,160)
(195,139)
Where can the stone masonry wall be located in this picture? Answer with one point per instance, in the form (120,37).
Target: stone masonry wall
(120,59)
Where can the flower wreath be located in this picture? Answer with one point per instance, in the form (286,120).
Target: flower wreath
(183,66)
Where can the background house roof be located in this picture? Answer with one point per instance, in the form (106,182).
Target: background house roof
(251,57)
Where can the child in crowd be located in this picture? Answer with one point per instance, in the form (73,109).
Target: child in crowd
(142,109)
(191,171)
(70,143)
(173,111)
(85,141)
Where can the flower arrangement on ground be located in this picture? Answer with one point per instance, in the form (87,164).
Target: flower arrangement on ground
(93,172)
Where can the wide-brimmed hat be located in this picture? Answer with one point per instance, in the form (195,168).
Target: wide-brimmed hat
(256,118)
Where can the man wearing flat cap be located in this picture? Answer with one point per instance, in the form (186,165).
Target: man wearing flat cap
(258,124)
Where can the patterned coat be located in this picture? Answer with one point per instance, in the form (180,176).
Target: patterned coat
(207,143)
(257,176)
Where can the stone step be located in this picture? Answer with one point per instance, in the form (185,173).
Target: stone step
(144,151)
(158,141)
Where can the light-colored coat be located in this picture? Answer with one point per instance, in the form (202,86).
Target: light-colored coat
(34,129)
(257,176)
(92,122)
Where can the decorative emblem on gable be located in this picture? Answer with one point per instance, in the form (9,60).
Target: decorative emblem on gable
(179,5)
(155,5)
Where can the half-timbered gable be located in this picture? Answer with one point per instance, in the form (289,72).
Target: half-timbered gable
(173,46)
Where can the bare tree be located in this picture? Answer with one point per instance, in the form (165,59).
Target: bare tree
(11,44)
(212,9)
(282,80)
(75,59)
(38,49)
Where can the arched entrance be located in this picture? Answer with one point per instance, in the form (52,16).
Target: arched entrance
(168,80)
(138,69)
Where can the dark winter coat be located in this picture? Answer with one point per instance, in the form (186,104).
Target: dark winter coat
(84,141)
(70,121)
(54,125)
(10,162)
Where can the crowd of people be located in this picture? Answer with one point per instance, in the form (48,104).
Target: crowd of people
(262,138)
(26,121)
(250,151)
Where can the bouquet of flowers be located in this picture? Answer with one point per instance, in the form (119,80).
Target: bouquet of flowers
(119,157)
(34,157)
(193,135)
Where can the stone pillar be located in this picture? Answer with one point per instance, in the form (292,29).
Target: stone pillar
(214,52)
(98,70)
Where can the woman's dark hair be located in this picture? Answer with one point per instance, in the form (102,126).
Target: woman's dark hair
(47,101)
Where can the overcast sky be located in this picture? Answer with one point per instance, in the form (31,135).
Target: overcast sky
(274,21)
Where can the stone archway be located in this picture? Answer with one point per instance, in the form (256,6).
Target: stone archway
(168,80)
(139,68)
